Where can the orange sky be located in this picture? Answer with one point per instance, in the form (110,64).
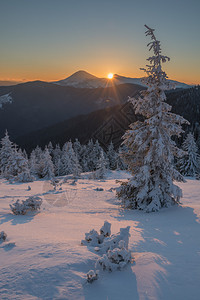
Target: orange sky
(49,40)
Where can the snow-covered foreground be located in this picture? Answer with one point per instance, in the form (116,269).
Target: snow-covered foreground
(43,258)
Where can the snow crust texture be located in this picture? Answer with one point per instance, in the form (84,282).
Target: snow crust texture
(42,258)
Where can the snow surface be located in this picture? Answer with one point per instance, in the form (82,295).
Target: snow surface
(42,257)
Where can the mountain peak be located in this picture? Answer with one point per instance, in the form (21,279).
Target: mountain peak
(80,76)
(80,79)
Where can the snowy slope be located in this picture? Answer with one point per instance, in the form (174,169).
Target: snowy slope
(82,79)
(123,79)
(43,258)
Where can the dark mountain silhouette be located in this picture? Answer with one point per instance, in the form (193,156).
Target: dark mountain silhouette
(110,123)
(36,105)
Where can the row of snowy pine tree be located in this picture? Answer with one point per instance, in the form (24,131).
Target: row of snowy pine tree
(72,158)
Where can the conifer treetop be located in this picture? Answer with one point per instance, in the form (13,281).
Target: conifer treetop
(154,68)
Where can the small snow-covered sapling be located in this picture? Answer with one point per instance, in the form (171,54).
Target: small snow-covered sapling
(112,241)
(92,276)
(115,259)
(94,238)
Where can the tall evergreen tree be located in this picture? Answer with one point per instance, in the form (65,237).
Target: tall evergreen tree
(151,150)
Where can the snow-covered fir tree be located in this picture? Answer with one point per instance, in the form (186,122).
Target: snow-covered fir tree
(83,159)
(33,164)
(67,166)
(24,174)
(95,154)
(189,165)
(77,148)
(89,156)
(25,154)
(57,153)
(39,161)
(18,167)
(47,165)
(38,153)
(50,148)
(58,166)
(68,158)
(120,163)
(6,151)
(101,166)
(112,157)
(77,168)
(151,150)
(57,161)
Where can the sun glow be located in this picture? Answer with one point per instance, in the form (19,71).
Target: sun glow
(110,76)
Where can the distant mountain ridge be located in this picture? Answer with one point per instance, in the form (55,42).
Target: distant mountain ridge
(110,123)
(83,79)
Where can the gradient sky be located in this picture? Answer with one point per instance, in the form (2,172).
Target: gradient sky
(51,39)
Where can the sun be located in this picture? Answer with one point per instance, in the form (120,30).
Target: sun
(110,76)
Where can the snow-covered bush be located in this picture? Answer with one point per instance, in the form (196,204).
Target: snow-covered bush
(92,275)
(33,203)
(115,259)
(112,241)
(105,241)
(113,247)
(3,236)
(94,238)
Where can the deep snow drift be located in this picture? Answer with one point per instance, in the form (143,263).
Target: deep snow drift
(42,257)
